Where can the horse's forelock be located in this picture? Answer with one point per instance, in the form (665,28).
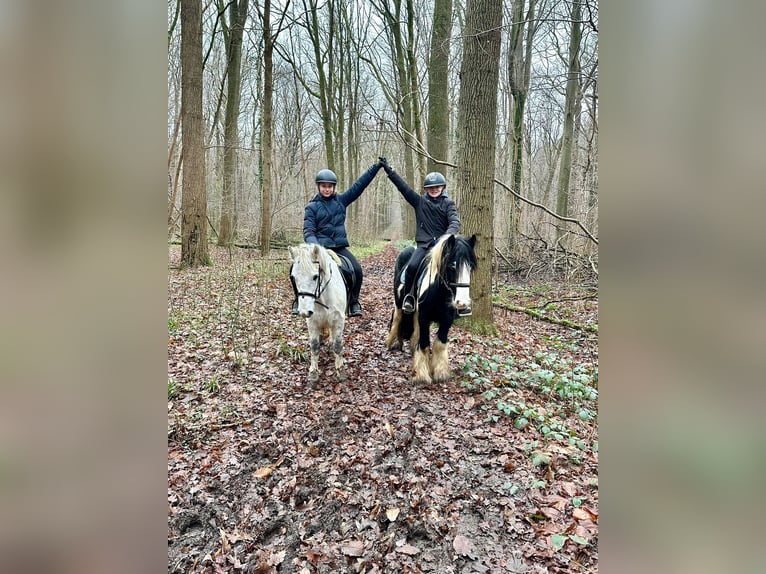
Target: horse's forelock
(464,251)
(304,256)
(438,255)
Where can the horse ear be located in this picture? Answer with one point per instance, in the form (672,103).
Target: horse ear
(472,241)
(291,252)
(451,241)
(315,250)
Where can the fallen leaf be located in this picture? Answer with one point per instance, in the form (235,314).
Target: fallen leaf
(569,487)
(277,558)
(463,546)
(584,513)
(550,512)
(392,513)
(263,472)
(390,429)
(225,546)
(408,549)
(352,548)
(557,541)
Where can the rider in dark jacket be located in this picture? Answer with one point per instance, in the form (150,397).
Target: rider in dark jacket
(435,215)
(324,222)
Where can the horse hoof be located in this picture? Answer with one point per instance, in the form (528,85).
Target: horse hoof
(342,376)
(395,345)
(314,378)
(421,380)
(442,377)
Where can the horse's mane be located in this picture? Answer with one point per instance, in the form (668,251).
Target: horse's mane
(304,255)
(435,257)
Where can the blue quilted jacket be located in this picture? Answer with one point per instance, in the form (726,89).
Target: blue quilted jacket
(324,219)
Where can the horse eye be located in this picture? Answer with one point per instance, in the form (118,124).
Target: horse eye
(453,265)
(315,277)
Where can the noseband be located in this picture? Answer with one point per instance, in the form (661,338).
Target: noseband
(452,286)
(319,288)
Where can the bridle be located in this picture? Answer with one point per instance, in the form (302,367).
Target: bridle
(452,286)
(319,287)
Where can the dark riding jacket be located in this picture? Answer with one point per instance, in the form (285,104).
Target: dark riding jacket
(324,219)
(433,216)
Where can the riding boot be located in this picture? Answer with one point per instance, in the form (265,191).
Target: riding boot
(408,305)
(355,309)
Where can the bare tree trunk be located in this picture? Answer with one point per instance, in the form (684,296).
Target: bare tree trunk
(403,107)
(438,87)
(477,123)
(573,72)
(325,103)
(267,128)
(417,126)
(174,189)
(194,250)
(228,226)
(174,180)
(519,63)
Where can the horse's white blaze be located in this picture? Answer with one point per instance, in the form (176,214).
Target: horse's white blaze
(463,294)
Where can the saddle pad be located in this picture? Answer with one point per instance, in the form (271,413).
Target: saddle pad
(335,257)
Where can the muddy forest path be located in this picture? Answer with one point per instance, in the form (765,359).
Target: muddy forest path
(266,474)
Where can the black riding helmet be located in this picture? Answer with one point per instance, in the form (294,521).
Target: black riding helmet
(434,179)
(326,176)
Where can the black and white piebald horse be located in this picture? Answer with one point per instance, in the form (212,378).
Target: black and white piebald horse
(443,294)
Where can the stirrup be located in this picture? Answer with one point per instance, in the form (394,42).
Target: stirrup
(408,305)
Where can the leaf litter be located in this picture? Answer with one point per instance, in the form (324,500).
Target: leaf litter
(266,474)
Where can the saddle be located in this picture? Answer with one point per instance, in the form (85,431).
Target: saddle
(420,273)
(346,271)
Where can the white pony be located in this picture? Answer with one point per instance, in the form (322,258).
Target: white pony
(321,300)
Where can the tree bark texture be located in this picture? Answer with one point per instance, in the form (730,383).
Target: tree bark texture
(194,248)
(477,126)
(228,225)
(519,62)
(570,105)
(438,87)
(267,127)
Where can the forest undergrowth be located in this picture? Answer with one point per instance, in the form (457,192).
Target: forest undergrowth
(494,471)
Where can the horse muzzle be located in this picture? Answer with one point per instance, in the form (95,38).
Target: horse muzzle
(462,300)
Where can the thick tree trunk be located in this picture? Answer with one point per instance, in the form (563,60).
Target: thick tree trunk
(438,88)
(194,249)
(477,123)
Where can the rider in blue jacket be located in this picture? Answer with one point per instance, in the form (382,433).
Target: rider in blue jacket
(435,215)
(324,222)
